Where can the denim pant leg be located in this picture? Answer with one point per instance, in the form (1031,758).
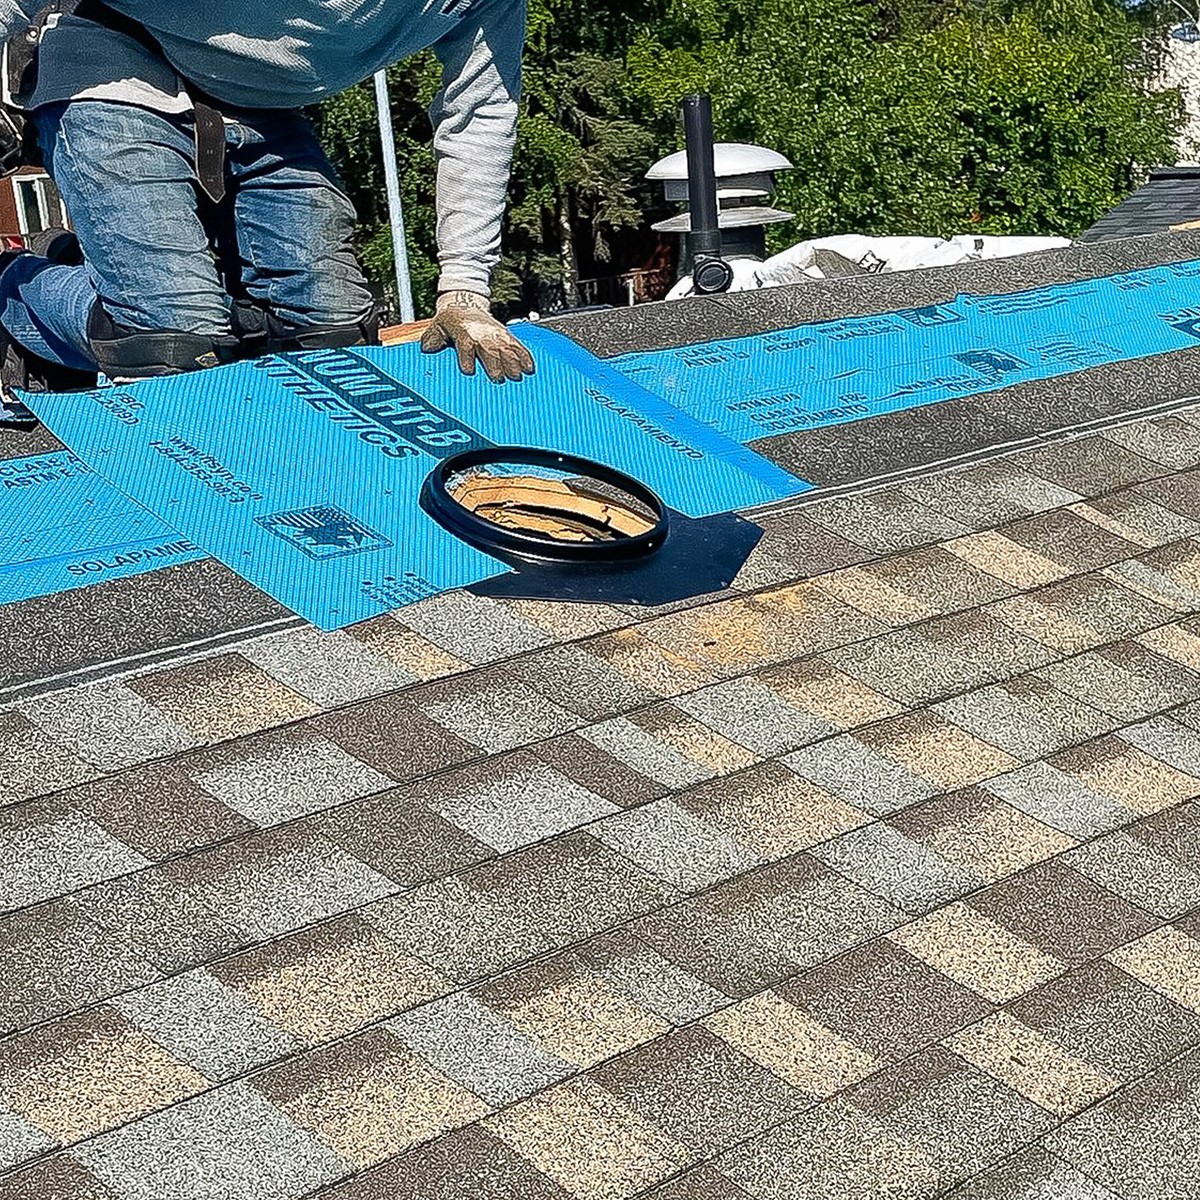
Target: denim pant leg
(126,175)
(46,309)
(293,223)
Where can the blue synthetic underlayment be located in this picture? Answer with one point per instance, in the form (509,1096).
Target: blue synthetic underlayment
(302,472)
(63,527)
(838,371)
(337,503)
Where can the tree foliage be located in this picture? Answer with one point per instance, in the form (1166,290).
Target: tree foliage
(901,116)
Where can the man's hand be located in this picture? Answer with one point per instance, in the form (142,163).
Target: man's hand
(464,321)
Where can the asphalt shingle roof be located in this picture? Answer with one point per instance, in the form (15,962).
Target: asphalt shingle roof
(878,874)
(1170,199)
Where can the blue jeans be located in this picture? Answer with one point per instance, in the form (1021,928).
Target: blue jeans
(160,258)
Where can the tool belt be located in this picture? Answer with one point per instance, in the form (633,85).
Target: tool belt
(18,78)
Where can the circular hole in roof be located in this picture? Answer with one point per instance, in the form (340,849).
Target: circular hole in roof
(546,505)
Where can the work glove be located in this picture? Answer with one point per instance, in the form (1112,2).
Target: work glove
(464,320)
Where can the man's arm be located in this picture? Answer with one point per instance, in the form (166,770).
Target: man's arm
(474,119)
(474,131)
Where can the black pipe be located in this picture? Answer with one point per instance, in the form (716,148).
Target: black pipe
(710,272)
(705,236)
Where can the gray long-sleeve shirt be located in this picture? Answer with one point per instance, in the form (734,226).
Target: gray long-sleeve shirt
(289,53)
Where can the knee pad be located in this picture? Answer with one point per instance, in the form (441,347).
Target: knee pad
(259,331)
(143,353)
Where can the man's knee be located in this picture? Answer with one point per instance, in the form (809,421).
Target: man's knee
(124,353)
(260,331)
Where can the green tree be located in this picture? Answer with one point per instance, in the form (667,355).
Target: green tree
(921,117)
(901,116)
(584,144)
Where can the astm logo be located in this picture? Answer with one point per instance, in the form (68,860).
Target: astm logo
(323,531)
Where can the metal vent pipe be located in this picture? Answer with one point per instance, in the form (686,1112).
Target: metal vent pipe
(710,272)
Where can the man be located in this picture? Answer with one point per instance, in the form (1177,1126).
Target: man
(210,222)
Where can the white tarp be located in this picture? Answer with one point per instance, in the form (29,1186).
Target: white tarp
(853,254)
